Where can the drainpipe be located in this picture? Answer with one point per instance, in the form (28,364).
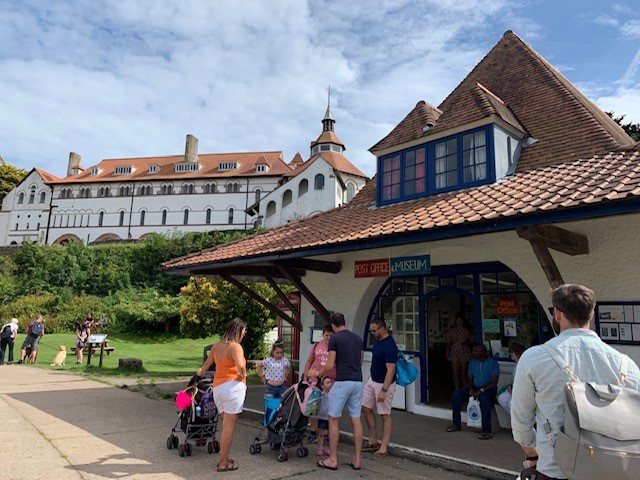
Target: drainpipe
(46,236)
(246,204)
(133,192)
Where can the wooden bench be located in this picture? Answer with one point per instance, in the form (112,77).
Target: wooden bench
(95,349)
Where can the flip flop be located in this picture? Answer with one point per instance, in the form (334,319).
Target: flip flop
(368,447)
(378,455)
(228,467)
(453,428)
(353,466)
(321,464)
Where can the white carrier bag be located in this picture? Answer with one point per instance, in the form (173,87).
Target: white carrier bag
(600,438)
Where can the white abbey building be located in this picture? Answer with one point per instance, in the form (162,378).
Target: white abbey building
(129,198)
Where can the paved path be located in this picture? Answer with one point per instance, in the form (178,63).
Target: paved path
(56,425)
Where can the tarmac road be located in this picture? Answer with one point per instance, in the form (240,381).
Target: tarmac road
(60,426)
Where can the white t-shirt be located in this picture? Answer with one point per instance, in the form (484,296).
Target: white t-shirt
(14,328)
(274,370)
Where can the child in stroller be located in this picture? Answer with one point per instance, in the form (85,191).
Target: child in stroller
(285,421)
(198,419)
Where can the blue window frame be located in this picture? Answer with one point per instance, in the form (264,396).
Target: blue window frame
(451,163)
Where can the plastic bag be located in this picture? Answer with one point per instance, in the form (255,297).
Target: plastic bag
(474,417)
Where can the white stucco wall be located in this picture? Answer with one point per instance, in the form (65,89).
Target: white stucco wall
(25,221)
(610,269)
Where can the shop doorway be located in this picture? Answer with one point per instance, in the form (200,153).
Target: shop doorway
(440,307)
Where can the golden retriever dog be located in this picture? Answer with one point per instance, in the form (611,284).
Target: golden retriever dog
(61,357)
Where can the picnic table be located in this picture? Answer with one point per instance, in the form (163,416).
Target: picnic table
(96,343)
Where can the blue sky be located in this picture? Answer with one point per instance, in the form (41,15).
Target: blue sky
(114,79)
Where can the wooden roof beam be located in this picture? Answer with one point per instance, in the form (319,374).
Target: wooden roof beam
(556,238)
(309,264)
(306,293)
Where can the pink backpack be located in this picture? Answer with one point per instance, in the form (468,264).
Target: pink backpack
(310,400)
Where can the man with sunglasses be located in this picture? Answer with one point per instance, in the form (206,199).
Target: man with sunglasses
(377,396)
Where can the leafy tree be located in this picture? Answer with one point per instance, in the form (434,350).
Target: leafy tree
(145,311)
(10,176)
(209,305)
(632,129)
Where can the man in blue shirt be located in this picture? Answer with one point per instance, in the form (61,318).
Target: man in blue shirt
(483,381)
(380,388)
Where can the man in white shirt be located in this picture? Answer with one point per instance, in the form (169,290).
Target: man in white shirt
(538,388)
(8,332)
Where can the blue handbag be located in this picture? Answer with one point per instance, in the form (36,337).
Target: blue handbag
(406,373)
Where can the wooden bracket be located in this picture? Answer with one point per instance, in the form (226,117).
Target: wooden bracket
(275,310)
(556,238)
(306,293)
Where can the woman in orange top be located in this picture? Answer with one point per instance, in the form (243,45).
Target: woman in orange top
(229,385)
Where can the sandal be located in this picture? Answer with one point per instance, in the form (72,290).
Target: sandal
(232,465)
(453,428)
(485,436)
(321,464)
(368,447)
(379,455)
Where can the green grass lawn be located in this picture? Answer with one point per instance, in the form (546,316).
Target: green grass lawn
(163,356)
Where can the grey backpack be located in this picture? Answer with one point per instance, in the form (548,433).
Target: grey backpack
(600,438)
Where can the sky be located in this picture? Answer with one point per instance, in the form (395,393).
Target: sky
(118,79)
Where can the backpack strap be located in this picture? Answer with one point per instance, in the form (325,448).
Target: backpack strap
(560,361)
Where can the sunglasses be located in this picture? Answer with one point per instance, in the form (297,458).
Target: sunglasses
(371,330)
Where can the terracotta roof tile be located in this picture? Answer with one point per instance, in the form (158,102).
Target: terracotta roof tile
(210,162)
(361,219)
(336,160)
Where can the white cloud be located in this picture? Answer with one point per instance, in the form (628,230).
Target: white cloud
(631,29)
(606,20)
(625,102)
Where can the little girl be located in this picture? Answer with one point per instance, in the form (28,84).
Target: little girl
(323,415)
(274,371)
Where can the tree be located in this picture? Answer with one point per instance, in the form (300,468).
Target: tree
(632,129)
(209,305)
(10,176)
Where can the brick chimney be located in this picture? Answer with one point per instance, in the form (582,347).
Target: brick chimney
(74,163)
(191,149)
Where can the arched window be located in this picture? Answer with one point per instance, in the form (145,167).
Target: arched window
(318,182)
(143,214)
(107,192)
(271,208)
(258,194)
(27,227)
(230,216)
(351,191)
(164,217)
(38,227)
(208,217)
(206,188)
(20,199)
(303,187)
(32,196)
(121,222)
(287,198)
(43,197)
(185,220)
(100,219)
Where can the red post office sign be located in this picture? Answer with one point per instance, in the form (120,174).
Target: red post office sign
(371,268)
(507,307)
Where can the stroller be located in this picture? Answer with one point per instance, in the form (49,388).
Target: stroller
(285,421)
(198,420)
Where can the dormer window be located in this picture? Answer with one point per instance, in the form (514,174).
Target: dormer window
(226,166)
(122,170)
(154,168)
(261,168)
(187,167)
(95,171)
(458,161)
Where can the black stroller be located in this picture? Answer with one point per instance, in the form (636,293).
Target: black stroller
(196,424)
(284,423)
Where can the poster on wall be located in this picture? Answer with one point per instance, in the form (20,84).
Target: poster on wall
(510,327)
(491,325)
(625,332)
(635,329)
(611,313)
(636,313)
(609,331)
(628,313)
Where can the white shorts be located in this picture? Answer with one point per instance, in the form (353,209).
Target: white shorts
(229,396)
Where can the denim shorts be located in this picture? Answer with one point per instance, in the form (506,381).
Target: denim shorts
(273,391)
(349,394)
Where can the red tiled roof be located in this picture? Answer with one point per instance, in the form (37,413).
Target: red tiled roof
(336,160)
(566,124)
(296,161)
(598,180)
(411,127)
(327,137)
(210,161)
(46,176)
